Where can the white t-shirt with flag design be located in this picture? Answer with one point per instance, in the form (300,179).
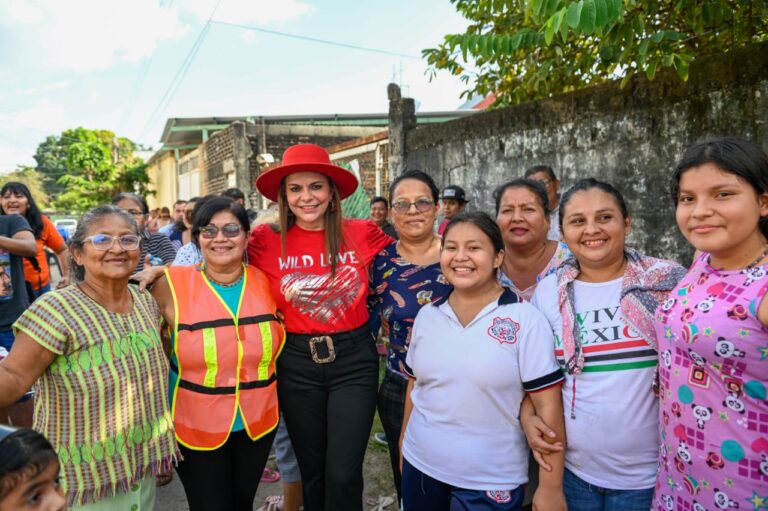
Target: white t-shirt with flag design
(613,439)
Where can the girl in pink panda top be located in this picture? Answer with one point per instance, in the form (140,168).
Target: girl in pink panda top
(713,340)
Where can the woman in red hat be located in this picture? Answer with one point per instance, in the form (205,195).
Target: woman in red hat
(317,264)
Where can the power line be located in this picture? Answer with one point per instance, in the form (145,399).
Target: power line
(134,92)
(316,40)
(139,81)
(180,74)
(177,79)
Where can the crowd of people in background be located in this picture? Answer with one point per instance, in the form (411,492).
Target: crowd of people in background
(531,357)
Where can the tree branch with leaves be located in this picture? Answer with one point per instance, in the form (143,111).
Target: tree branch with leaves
(521,50)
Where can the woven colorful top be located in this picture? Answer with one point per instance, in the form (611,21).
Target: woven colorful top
(103,401)
(713,368)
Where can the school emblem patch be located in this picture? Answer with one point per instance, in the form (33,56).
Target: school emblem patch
(504,330)
(499,496)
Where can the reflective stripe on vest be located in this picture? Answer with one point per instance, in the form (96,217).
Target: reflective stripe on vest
(225,362)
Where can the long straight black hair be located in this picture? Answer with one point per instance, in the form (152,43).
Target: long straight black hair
(33,215)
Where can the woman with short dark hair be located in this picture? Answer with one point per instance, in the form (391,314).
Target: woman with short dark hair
(523,215)
(225,339)
(405,276)
(600,304)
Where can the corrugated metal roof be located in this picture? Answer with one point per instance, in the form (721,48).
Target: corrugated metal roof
(182,131)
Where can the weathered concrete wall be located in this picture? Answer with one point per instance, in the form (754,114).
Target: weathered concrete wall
(631,138)
(218,160)
(232,151)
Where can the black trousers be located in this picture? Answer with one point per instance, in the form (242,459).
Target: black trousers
(225,479)
(391,406)
(328,410)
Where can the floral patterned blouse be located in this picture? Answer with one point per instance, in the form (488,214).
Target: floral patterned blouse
(399,290)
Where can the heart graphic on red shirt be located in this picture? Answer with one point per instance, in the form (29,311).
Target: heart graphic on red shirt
(319,298)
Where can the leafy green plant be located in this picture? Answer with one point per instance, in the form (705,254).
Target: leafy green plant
(527,49)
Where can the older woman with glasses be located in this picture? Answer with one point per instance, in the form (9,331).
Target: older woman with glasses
(405,276)
(94,352)
(225,340)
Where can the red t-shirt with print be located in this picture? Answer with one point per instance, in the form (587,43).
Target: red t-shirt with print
(301,281)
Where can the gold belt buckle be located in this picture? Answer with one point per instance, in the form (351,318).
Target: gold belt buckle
(314,341)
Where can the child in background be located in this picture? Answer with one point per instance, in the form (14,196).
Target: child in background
(29,472)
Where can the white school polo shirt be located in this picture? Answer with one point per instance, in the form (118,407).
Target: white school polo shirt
(464,428)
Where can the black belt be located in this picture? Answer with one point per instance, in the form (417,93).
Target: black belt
(322,346)
(337,337)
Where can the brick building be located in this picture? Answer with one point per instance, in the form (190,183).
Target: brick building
(201,156)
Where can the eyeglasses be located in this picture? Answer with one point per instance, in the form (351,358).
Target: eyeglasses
(209,232)
(545,181)
(422,205)
(105,242)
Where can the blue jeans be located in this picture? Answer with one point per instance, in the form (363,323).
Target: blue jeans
(40,292)
(6,339)
(424,493)
(286,458)
(582,496)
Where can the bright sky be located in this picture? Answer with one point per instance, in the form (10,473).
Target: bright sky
(111,64)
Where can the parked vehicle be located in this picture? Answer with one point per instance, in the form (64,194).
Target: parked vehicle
(66,224)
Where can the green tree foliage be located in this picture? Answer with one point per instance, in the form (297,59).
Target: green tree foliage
(51,158)
(83,168)
(528,49)
(30,177)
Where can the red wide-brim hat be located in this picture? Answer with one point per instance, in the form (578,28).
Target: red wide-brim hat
(305,158)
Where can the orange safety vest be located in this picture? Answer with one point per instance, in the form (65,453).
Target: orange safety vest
(225,361)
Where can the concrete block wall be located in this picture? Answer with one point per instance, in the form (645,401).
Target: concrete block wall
(631,137)
(218,158)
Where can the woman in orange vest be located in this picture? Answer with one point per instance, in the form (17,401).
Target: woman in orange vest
(225,339)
